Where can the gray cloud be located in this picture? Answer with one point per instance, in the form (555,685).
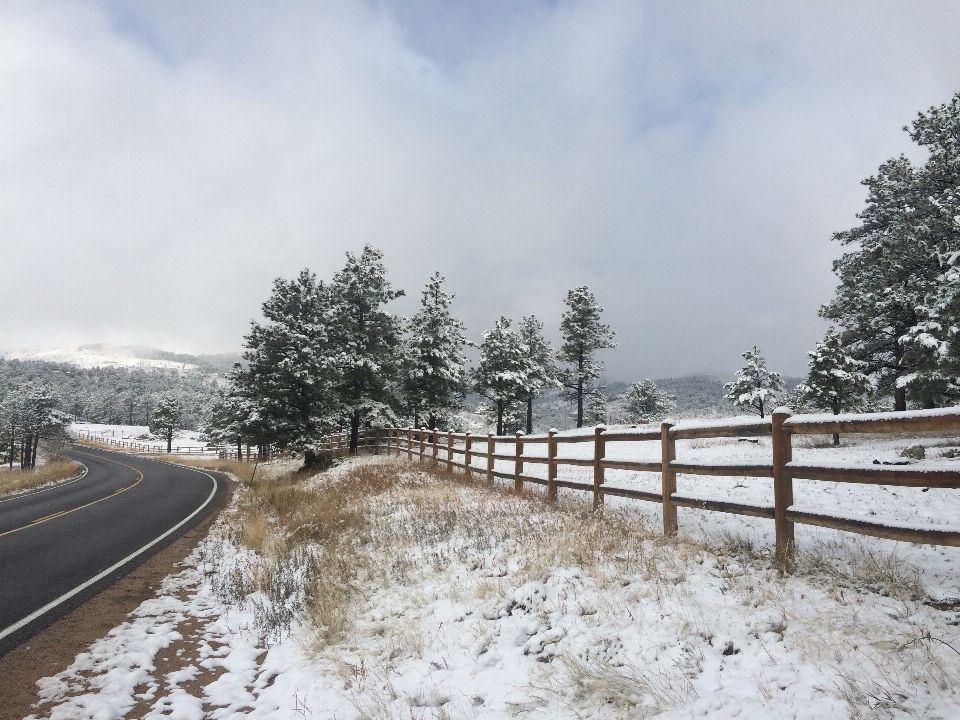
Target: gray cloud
(161,163)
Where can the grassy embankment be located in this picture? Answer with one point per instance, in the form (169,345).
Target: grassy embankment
(323,550)
(53,470)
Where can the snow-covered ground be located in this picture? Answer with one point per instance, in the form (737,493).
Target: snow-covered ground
(469,603)
(137,433)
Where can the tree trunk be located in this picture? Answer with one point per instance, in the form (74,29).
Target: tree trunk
(23,453)
(239,448)
(354,431)
(836,438)
(169,442)
(499,417)
(13,444)
(580,401)
(900,399)
(530,416)
(33,453)
(432,422)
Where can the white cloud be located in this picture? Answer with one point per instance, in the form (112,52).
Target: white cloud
(162,163)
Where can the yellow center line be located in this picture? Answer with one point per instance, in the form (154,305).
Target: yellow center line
(34,523)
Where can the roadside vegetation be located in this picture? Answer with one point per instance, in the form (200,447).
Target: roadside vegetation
(15,480)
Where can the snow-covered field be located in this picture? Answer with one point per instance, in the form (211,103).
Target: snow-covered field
(438,598)
(137,433)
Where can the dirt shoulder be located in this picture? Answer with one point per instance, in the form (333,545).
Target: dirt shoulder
(54,649)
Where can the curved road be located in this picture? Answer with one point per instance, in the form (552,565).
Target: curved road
(60,547)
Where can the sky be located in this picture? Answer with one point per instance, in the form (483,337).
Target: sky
(162,162)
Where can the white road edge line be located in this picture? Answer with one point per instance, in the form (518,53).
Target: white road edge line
(80,588)
(81,476)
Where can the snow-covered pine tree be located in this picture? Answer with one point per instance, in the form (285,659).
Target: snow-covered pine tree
(836,381)
(367,339)
(595,407)
(755,387)
(165,422)
(503,371)
(542,368)
(645,401)
(583,337)
(230,420)
(932,346)
(908,224)
(288,382)
(433,359)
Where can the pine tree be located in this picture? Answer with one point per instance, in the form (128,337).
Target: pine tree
(434,361)
(367,339)
(836,381)
(644,401)
(583,337)
(288,383)
(503,371)
(755,387)
(932,346)
(908,225)
(542,372)
(166,420)
(595,407)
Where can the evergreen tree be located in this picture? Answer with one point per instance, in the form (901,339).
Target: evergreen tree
(595,407)
(836,381)
(503,371)
(644,401)
(434,361)
(583,337)
(908,224)
(165,422)
(291,368)
(932,346)
(367,339)
(231,420)
(755,387)
(542,372)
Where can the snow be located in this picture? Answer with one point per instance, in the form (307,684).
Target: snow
(137,433)
(820,418)
(683,629)
(94,356)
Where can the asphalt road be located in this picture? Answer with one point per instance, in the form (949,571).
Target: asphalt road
(61,546)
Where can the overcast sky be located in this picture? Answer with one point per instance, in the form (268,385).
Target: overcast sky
(161,163)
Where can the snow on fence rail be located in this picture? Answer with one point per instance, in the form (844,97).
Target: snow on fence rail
(781,426)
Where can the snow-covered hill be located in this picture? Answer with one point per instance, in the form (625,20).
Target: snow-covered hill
(102,355)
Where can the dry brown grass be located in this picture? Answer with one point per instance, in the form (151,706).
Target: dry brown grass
(53,470)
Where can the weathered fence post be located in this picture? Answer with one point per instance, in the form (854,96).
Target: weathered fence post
(491,448)
(423,443)
(409,443)
(436,445)
(467,459)
(599,450)
(518,463)
(782,488)
(449,451)
(668,477)
(551,465)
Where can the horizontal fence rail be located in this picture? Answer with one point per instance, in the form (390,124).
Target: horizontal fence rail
(146,448)
(478,454)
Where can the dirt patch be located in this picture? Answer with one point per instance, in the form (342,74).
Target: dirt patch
(52,650)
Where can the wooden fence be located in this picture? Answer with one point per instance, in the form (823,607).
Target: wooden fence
(465,450)
(153,449)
